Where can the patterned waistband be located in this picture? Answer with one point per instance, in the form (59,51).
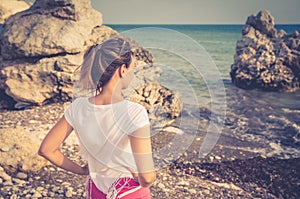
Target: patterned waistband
(120,188)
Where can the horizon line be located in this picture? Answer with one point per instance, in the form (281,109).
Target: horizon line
(190,24)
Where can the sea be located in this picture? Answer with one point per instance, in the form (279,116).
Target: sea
(196,62)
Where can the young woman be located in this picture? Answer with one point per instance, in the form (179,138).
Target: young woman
(114,133)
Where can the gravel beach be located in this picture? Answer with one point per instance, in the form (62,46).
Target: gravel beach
(218,176)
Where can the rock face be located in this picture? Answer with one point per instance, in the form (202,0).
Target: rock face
(10,7)
(266,58)
(42,47)
(49,28)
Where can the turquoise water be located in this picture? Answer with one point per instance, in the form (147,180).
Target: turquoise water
(262,117)
(219,41)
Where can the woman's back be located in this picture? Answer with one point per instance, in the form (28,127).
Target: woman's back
(103,134)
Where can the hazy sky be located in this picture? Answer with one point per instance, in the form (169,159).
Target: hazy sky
(194,11)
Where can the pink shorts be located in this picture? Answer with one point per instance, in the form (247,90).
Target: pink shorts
(130,190)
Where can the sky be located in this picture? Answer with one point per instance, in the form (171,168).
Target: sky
(194,11)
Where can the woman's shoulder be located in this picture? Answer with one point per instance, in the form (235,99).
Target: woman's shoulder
(77,101)
(136,105)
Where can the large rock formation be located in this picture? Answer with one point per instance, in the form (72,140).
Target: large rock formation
(48,28)
(266,58)
(42,47)
(10,7)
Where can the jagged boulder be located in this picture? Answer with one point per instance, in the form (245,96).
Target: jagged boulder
(10,7)
(266,58)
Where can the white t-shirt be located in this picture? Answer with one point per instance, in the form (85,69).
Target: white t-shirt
(103,136)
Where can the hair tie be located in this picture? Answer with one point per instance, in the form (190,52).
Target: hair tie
(123,45)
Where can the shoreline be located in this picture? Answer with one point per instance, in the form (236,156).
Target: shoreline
(217,176)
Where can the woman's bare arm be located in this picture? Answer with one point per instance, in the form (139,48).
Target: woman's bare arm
(140,142)
(49,148)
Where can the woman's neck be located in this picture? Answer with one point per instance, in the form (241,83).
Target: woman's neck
(107,96)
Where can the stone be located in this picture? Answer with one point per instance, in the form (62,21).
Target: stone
(266,58)
(192,191)
(5,176)
(13,196)
(37,194)
(69,192)
(60,27)
(21,175)
(161,186)
(10,7)
(4,149)
(46,79)
(263,22)
(158,100)
(34,75)
(22,155)
(183,183)
(173,130)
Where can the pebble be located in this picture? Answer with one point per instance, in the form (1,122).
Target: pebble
(40,188)
(37,194)
(5,176)
(22,175)
(183,183)
(18,181)
(192,191)
(69,192)
(218,158)
(8,183)
(161,185)
(14,196)
(5,148)
(66,184)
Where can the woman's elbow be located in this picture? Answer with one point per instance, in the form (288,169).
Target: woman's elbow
(147,181)
(43,152)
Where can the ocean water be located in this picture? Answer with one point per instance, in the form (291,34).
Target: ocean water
(268,120)
(219,41)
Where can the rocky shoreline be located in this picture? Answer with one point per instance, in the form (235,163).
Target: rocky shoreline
(241,164)
(218,176)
